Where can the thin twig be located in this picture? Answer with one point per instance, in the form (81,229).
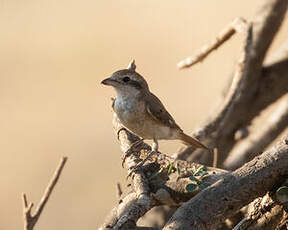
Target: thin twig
(219,116)
(238,24)
(31,219)
(234,91)
(119,190)
(215,157)
(218,132)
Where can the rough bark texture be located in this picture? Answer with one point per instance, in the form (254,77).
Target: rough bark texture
(237,189)
(255,143)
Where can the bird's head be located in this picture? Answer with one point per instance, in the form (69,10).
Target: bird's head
(127,81)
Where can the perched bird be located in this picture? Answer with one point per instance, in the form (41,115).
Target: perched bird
(141,112)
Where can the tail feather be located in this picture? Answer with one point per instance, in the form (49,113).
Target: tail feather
(191,141)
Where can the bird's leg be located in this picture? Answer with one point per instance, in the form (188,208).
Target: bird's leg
(154,151)
(130,150)
(155,145)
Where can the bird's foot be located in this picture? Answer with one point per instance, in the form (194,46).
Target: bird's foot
(135,168)
(130,150)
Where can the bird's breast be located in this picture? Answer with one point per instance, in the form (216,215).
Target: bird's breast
(130,112)
(134,116)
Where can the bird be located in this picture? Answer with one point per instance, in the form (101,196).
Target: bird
(141,112)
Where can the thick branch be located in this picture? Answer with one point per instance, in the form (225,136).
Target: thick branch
(254,85)
(235,90)
(213,124)
(152,184)
(280,54)
(223,199)
(263,213)
(256,142)
(265,26)
(274,79)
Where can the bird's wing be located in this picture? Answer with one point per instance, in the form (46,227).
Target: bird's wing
(158,112)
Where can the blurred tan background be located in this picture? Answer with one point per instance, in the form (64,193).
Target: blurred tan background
(54,55)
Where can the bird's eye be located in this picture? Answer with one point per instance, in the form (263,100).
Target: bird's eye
(126,79)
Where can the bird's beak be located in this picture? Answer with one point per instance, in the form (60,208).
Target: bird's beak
(108,81)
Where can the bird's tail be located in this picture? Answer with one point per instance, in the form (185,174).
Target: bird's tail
(191,141)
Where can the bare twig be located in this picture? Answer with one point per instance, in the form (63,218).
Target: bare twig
(215,157)
(219,116)
(234,91)
(31,219)
(283,225)
(119,191)
(254,85)
(237,25)
(265,25)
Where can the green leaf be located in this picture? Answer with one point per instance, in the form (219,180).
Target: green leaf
(282,194)
(191,187)
(195,179)
(193,169)
(202,174)
(170,168)
(200,169)
(203,186)
(178,171)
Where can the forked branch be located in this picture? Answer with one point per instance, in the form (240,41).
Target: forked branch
(31,219)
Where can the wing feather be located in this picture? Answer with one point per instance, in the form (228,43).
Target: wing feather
(157,110)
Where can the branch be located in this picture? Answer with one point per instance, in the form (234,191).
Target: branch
(29,219)
(213,124)
(254,86)
(224,198)
(235,90)
(265,25)
(256,142)
(279,55)
(152,184)
(237,25)
(284,222)
(264,213)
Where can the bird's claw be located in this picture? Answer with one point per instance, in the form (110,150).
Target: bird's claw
(125,155)
(118,132)
(136,167)
(130,150)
